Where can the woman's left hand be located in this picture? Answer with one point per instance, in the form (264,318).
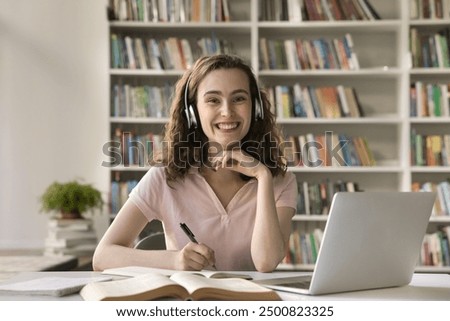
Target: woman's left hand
(238,160)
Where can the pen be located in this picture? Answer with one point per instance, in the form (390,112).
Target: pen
(191,236)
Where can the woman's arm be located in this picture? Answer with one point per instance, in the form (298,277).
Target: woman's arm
(115,249)
(272,227)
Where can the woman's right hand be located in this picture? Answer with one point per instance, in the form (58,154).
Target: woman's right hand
(195,257)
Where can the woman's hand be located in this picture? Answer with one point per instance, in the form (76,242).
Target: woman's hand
(195,257)
(239,161)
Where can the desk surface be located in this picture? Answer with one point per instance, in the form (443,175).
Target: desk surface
(423,287)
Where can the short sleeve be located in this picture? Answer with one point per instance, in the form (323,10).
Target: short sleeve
(148,193)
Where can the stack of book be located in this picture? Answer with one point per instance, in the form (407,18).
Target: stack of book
(70,237)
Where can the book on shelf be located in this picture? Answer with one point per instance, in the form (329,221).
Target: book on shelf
(331,149)
(303,246)
(181,285)
(140,101)
(429,99)
(430,49)
(435,250)
(171,53)
(313,54)
(131,149)
(119,193)
(314,198)
(169,11)
(442,204)
(429,9)
(315,102)
(429,150)
(317,10)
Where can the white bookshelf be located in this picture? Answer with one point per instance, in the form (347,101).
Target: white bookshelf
(382,84)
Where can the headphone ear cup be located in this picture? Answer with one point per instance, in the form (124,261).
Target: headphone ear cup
(259,113)
(192,118)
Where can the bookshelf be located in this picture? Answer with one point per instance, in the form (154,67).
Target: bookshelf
(382,84)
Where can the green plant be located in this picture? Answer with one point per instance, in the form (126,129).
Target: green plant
(71,197)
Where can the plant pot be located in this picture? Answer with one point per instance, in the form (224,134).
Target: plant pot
(71,216)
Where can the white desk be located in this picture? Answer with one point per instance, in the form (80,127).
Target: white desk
(424,287)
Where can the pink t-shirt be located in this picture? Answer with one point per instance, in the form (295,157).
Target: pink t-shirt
(192,201)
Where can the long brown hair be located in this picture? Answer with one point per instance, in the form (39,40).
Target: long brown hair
(186,147)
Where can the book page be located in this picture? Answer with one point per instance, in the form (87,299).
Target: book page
(139,270)
(136,271)
(219,274)
(225,289)
(143,287)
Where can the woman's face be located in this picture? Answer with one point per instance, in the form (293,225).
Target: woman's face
(224,105)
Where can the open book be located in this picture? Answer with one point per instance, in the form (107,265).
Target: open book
(182,285)
(140,270)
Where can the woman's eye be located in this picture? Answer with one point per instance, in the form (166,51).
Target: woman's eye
(240,99)
(213,101)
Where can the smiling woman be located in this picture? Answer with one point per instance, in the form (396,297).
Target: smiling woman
(221,171)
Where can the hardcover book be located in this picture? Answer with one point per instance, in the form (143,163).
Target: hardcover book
(180,285)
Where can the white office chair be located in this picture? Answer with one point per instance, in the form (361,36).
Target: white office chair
(155,241)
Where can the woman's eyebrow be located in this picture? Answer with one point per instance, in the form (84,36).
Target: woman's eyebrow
(218,92)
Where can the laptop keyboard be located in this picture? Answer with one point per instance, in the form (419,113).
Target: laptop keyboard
(302,283)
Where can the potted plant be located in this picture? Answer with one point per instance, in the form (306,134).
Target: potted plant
(71,199)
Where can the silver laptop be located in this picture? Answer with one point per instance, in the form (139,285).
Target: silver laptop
(371,240)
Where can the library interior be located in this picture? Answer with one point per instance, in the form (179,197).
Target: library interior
(359,88)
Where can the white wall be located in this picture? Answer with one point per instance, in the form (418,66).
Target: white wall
(53,107)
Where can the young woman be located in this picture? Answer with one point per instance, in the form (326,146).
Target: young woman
(222,173)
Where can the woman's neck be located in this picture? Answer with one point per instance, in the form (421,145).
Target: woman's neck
(220,175)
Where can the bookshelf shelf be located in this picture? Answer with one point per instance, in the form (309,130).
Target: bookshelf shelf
(382,83)
(430,120)
(387,72)
(440,219)
(138,120)
(145,72)
(431,169)
(429,22)
(430,71)
(386,119)
(134,25)
(382,25)
(432,269)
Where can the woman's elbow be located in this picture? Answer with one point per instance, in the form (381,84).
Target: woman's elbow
(97,260)
(265,266)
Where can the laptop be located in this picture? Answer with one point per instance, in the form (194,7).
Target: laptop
(371,240)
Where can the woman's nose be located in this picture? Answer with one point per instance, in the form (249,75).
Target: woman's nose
(225,109)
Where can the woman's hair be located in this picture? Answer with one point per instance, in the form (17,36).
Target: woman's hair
(185,147)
